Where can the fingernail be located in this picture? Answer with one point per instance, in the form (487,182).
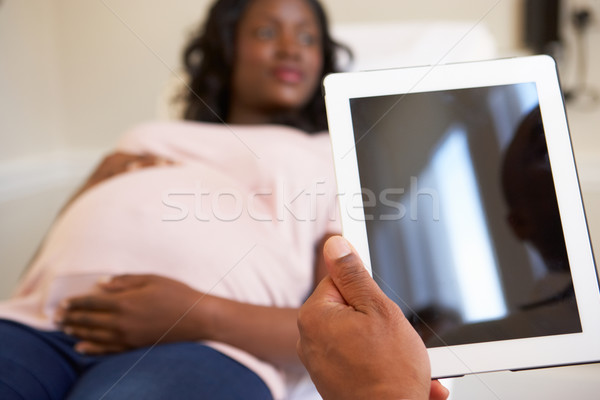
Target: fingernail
(337,247)
(104,280)
(80,348)
(58,318)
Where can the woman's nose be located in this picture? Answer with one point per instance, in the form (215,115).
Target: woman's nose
(288,46)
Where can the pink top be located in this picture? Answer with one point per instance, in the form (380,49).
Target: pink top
(237,216)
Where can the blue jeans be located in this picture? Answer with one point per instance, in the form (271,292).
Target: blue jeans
(41,365)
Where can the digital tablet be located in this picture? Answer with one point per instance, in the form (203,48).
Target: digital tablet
(458,188)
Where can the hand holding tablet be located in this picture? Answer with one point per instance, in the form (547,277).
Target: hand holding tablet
(458,189)
(355,342)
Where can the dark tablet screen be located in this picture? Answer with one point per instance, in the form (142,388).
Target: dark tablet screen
(462,219)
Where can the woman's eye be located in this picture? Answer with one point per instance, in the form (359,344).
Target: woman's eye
(265,33)
(307,38)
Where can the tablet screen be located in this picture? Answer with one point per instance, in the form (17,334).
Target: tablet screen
(461,214)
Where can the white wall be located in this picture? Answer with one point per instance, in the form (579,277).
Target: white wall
(503,18)
(31,114)
(118,56)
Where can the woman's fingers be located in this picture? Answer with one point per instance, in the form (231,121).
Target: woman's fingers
(145,160)
(91,334)
(98,348)
(124,282)
(93,302)
(119,162)
(92,319)
(97,330)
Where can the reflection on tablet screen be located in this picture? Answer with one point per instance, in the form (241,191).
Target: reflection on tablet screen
(462,219)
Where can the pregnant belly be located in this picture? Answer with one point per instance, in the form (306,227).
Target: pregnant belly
(190,224)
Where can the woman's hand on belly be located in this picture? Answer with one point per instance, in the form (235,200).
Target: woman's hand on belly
(133,311)
(118,163)
(142,310)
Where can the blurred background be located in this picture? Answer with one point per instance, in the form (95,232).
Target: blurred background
(76,74)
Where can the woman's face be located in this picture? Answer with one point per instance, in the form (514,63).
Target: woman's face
(278,59)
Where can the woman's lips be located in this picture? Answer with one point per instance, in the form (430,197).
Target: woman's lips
(288,75)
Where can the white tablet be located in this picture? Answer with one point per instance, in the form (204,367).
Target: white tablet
(458,188)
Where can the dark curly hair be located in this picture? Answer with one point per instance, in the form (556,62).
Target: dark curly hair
(208,59)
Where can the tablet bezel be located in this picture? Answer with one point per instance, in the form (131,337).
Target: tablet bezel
(516,354)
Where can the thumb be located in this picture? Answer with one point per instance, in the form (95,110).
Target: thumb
(349,274)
